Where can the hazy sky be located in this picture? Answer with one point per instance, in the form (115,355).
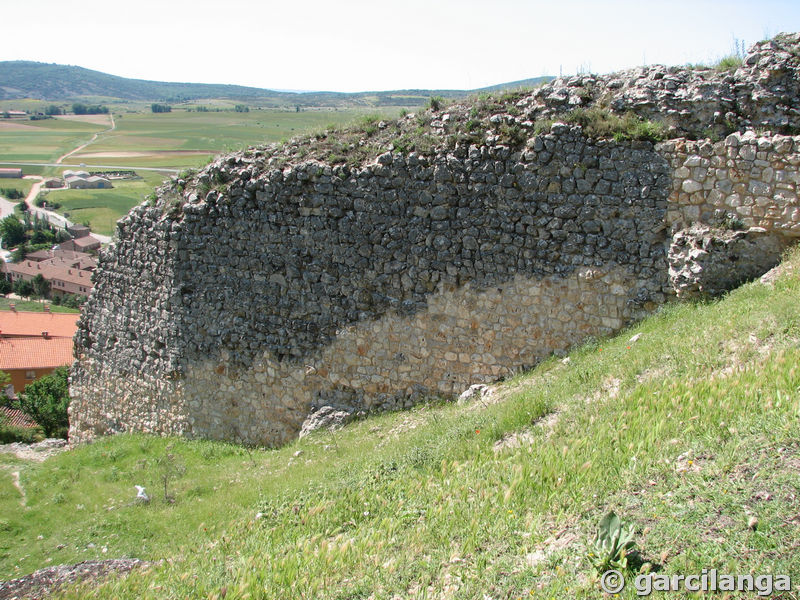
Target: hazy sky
(358,45)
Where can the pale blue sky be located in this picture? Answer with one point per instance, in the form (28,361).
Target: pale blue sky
(356,45)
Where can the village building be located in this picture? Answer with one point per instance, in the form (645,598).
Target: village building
(34,344)
(59,252)
(78,231)
(66,274)
(16,323)
(10,173)
(87,243)
(82,180)
(13,417)
(29,359)
(53,183)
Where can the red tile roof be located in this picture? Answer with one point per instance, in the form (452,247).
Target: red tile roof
(18,323)
(15,418)
(68,255)
(35,353)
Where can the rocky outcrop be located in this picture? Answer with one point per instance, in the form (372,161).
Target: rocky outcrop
(271,284)
(705,261)
(46,582)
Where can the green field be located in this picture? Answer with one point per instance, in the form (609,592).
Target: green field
(175,140)
(172,140)
(43,141)
(181,138)
(102,208)
(690,434)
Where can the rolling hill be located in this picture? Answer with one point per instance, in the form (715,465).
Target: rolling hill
(43,81)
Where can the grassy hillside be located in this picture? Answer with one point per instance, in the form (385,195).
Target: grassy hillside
(690,433)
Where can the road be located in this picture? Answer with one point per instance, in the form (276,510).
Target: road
(51,217)
(85,166)
(6,207)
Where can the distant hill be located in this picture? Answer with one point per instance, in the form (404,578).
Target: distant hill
(53,82)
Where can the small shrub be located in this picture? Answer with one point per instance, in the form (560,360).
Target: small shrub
(436,103)
(731,222)
(170,467)
(11,193)
(512,135)
(543,126)
(473,124)
(611,545)
(24,435)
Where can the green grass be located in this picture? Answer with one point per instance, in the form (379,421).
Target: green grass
(23,185)
(599,123)
(686,434)
(32,306)
(102,208)
(729,63)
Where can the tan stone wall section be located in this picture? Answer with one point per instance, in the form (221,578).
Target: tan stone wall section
(754,179)
(465,336)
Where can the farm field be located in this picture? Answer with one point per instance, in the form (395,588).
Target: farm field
(46,140)
(176,140)
(102,208)
(190,139)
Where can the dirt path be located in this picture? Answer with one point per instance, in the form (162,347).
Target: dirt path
(15,480)
(91,141)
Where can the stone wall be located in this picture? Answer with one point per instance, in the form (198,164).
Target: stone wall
(744,181)
(234,315)
(265,287)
